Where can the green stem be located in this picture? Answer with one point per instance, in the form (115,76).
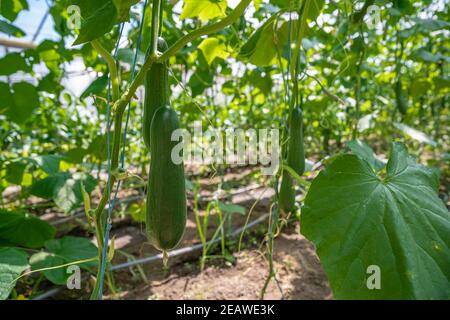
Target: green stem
(111,62)
(156,10)
(183,41)
(121,103)
(233,16)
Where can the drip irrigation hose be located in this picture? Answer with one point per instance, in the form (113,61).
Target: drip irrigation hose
(178,252)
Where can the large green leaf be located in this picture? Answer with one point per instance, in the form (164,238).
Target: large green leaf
(21,229)
(15,171)
(10,29)
(212,48)
(49,162)
(12,263)
(13,62)
(63,251)
(6,102)
(265,44)
(96,87)
(11,8)
(363,151)
(25,101)
(203,9)
(64,188)
(43,260)
(99,17)
(396,222)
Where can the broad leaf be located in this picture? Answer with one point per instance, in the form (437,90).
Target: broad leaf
(415,134)
(25,101)
(73,249)
(49,163)
(100,16)
(43,260)
(12,263)
(10,29)
(358,220)
(96,87)
(363,151)
(213,48)
(13,62)
(15,171)
(60,252)
(25,230)
(64,188)
(6,102)
(11,8)
(203,9)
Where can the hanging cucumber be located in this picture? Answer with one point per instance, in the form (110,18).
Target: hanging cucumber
(402,103)
(166,194)
(295,160)
(286,197)
(296,151)
(156,91)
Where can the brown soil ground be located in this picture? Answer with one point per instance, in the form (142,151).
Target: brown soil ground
(299,276)
(241,276)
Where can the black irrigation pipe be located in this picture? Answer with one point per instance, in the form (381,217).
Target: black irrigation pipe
(190,249)
(80,212)
(174,253)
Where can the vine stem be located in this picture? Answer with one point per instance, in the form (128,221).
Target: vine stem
(156,15)
(111,62)
(183,41)
(120,102)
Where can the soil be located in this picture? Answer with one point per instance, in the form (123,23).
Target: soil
(298,270)
(240,275)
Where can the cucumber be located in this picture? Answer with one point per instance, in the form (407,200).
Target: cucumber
(402,103)
(156,86)
(296,151)
(286,197)
(166,194)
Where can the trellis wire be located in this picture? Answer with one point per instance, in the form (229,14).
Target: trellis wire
(108,129)
(111,203)
(177,252)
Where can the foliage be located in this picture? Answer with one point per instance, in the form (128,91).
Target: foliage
(238,72)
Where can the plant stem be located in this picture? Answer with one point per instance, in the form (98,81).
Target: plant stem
(234,15)
(156,10)
(122,101)
(111,62)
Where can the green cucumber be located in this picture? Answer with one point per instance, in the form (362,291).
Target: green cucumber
(156,86)
(286,197)
(402,103)
(296,151)
(166,194)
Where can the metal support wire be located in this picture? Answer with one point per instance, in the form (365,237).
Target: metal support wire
(174,253)
(108,222)
(122,159)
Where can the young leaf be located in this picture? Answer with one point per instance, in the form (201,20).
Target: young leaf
(212,48)
(203,9)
